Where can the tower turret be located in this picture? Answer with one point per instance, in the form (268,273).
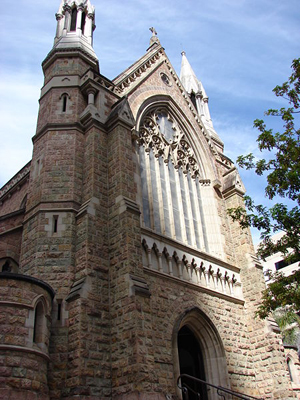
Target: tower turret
(75,26)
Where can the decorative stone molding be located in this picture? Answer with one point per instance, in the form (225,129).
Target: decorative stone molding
(126,204)
(29,279)
(22,349)
(79,289)
(174,146)
(121,112)
(197,270)
(233,184)
(17,180)
(90,115)
(126,81)
(139,286)
(88,207)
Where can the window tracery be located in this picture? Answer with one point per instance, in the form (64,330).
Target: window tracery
(161,134)
(171,178)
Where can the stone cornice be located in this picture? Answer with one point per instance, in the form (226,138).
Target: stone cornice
(15,181)
(138,71)
(58,127)
(104,82)
(16,228)
(28,350)
(190,250)
(194,286)
(225,161)
(29,279)
(12,214)
(56,53)
(65,206)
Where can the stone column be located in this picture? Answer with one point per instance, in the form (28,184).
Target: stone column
(78,22)
(89,28)
(67,20)
(60,26)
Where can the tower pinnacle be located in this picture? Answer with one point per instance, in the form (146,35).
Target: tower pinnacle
(75,26)
(195,89)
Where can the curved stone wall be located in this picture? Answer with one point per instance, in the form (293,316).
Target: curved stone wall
(25,309)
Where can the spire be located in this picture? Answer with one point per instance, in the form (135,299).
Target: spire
(75,26)
(195,89)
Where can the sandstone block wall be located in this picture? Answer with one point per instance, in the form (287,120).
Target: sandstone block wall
(25,309)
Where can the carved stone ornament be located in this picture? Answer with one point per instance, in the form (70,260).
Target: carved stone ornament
(161,134)
(165,79)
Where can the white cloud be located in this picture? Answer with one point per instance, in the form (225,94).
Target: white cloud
(239,49)
(18,110)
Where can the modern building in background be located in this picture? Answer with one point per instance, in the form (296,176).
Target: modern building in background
(277,263)
(121,269)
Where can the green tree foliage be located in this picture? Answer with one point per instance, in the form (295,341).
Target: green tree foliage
(281,166)
(282,291)
(282,298)
(282,169)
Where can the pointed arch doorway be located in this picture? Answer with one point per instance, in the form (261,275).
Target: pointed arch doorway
(200,353)
(191,363)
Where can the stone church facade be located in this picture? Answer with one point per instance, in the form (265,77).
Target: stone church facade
(120,269)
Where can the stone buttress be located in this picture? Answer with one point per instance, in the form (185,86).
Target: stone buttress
(121,269)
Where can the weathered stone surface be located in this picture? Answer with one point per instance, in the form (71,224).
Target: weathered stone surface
(122,290)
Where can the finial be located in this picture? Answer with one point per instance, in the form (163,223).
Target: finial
(154,39)
(183,53)
(154,33)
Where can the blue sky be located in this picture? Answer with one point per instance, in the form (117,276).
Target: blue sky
(239,49)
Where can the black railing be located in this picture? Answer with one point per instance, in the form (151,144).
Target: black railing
(221,391)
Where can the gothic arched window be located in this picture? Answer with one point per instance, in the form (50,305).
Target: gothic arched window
(39,324)
(171,179)
(64,105)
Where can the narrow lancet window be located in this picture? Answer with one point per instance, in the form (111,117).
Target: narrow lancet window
(58,311)
(55,223)
(38,323)
(83,19)
(193,98)
(73,20)
(64,105)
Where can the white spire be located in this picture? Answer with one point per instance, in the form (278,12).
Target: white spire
(75,26)
(195,89)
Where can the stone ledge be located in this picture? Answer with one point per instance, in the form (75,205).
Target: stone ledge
(197,287)
(126,204)
(30,279)
(7,347)
(139,286)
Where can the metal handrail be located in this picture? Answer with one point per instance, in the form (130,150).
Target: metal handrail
(219,388)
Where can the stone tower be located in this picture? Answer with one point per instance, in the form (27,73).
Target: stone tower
(120,267)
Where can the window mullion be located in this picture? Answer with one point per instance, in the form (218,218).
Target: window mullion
(181,210)
(198,214)
(159,195)
(189,210)
(169,201)
(149,186)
